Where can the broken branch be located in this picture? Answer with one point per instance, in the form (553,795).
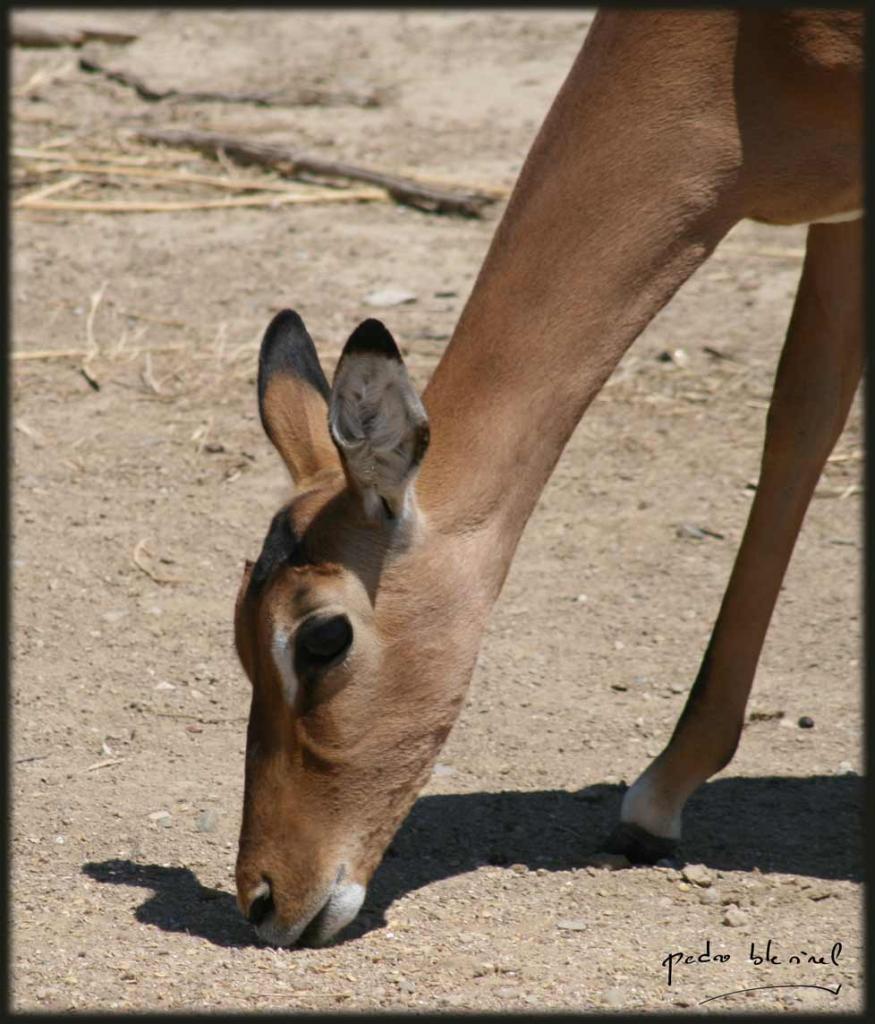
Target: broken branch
(293,162)
(34,35)
(305,97)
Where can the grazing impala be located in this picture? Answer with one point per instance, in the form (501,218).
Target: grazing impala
(359,623)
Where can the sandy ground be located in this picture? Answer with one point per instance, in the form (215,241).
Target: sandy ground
(129,705)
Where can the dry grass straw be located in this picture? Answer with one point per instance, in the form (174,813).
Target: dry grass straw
(137,559)
(48,190)
(275,199)
(179,178)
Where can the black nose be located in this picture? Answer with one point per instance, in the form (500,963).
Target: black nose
(323,639)
(260,908)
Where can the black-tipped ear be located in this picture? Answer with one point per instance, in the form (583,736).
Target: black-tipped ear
(293,396)
(372,337)
(287,348)
(377,421)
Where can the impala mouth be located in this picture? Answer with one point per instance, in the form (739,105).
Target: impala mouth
(335,913)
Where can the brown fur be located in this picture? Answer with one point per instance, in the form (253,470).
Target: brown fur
(671,126)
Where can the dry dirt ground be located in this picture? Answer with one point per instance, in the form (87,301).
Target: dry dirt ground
(134,506)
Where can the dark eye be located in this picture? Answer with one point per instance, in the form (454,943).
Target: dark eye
(321,640)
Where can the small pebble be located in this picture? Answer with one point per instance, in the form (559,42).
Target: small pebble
(572,925)
(697,874)
(806,723)
(207,820)
(389,297)
(734,917)
(709,897)
(407,986)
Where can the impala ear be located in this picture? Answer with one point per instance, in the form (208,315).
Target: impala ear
(293,397)
(377,421)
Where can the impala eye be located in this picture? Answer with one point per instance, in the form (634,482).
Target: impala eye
(321,640)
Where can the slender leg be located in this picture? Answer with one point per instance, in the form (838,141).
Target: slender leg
(817,376)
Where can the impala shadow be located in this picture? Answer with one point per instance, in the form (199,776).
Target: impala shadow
(804,826)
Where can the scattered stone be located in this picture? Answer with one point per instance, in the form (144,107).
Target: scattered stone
(519,869)
(385,297)
(709,897)
(805,722)
(207,820)
(611,861)
(690,531)
(764,716)
(443,770)
(407,986)
(697,874)
(164,685)
(214,447)
(818,893)
(676,355)
(619,686)
(116,615)
(572,925)
(735,917)
(846,768)
(160,818)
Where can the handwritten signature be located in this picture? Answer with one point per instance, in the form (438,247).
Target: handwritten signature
(757,956)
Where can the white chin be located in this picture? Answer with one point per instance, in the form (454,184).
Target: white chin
(342,906)
(345,902)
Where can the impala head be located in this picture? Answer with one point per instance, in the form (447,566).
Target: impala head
(353,628)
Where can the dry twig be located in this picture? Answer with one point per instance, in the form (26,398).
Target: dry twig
(35,35)
(293,162)
(303,97)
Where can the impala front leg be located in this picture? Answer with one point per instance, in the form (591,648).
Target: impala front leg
(817,376)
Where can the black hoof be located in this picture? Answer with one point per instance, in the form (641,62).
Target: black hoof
(639,845)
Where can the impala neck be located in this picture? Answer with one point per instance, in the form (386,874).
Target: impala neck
(625,192)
